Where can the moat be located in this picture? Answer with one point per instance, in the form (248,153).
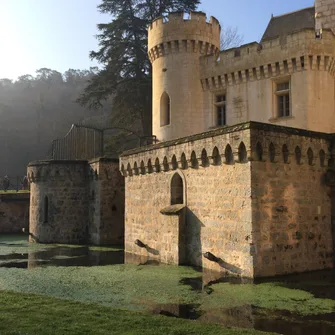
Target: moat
(296,304)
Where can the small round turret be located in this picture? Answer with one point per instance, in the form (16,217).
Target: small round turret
(58,201)
(174,47)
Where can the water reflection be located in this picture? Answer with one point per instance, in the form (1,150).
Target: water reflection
(62,256)
(320,284)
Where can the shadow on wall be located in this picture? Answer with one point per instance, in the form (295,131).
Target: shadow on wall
(192,237)
(147,248)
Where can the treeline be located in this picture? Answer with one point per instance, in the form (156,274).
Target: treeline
(34,110)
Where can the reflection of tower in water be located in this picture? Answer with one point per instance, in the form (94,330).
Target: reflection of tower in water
(74,256)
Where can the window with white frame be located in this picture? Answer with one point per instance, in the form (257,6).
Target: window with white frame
(220,110)
(283,99)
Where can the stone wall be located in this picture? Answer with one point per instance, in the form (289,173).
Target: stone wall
(106,192)
(59,204)
(325,13)
(216,196)
(248,77)
(292,229)
(14,212)
(246,213)
(77,201)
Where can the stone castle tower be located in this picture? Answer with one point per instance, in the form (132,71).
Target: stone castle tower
(324,14)
(175,47)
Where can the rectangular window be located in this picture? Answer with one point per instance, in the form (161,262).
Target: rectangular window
(220,107)
(282,93)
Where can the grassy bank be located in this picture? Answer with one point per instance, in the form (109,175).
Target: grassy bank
(33,314)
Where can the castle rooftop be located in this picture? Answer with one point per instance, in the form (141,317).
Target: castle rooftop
(290,22)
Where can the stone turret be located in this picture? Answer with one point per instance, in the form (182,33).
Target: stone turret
(175,46)
(59,203)
(325,14)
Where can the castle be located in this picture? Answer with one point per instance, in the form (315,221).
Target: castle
(242,177)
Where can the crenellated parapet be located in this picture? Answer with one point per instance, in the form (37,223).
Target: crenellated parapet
(57,171)
(240,144)
(175,34)
(299,51)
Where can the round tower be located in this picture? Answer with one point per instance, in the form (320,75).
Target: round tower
(175,46)
(58,201)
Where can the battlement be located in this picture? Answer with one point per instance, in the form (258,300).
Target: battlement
(54,170)
(297,51)
(225,145)
(179,18)
(175,33)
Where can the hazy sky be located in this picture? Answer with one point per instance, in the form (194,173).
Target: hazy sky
(59,34)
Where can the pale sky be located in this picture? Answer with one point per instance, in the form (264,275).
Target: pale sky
(59,34)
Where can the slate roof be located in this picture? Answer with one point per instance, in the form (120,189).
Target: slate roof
(290,22)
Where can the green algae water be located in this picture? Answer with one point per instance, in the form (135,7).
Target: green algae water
(300,304)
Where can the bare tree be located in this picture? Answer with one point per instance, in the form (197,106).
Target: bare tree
(230,38)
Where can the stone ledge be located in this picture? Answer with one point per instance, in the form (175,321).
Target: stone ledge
(231,129)
(173,209)
(55,161)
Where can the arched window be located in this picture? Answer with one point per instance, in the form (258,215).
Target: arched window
(259,151)
(183,161)
(322,157)
(242,153)
(216,156)
(46,210)
(285,153)
(228,153)
(204,158)
(165,109)
(297,152)
(272,152)
(177,190)
(194,161)
(310,156)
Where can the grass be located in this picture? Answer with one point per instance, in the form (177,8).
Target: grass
(32,314)
(140,288)
(134,288)
(13,191)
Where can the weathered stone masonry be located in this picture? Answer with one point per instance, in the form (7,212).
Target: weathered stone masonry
(247,202)
(76,201)
(14,212)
